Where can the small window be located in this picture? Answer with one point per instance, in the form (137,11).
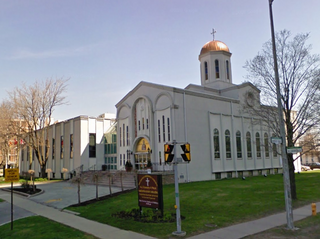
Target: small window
(124,141)
(61,147)
(147,120)
(139,125)
(53,149)
(228,144)
(216,144)
(227,70)
(159,131)
(206,70)
(127,129)
(71,145)
(238,140)
(164,128)
(218,175)
(142,123)
(168,121)
(120,137)
(216,63)
(92,145)
(258,146)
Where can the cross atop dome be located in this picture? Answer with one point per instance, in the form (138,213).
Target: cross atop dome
(213,32)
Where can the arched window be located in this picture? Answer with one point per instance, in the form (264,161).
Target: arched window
(274,148)
(227,69)
(249,150)
(228,144)
(206,70)
(238,140)
(266,144)
(258,146)
(216,63)
(216,144)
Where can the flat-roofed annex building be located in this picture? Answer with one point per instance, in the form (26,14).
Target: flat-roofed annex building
(74,143)
(225,141)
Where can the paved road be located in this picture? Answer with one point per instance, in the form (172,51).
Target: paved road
(63,194)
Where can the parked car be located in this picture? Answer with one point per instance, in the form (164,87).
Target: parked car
(314,165)
(305,168)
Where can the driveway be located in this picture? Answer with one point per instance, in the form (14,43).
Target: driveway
(63,194)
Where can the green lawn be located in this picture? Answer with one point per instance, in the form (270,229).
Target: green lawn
(215,203)
(37,227)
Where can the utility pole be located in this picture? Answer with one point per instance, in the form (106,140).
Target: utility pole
(286,179)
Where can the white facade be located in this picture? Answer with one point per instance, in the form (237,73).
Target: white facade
(225,142)
(74,143)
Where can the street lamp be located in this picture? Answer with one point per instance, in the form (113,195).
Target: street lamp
(286,179)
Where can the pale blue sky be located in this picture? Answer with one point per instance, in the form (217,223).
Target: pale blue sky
(107,47)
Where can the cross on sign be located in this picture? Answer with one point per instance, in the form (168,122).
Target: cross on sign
(147,180)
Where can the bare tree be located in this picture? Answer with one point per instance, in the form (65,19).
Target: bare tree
(79,180)
(9,142)
(96,178)
(32,108)
(300,88)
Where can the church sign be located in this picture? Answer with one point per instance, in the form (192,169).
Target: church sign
(150,191)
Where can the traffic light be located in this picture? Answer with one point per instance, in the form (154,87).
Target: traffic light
(186,149)
(168,156)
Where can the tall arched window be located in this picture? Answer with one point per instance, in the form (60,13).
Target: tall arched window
(206,74)
(227,69)
(274,148)
(266,144)
(238,140)
(258,146)
(216,63)
(249,150)
(228,144)
(216,144)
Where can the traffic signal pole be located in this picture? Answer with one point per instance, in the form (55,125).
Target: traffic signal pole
(176,186)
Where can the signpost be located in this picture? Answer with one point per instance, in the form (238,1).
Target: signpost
(11,175)
(150,191)
(276,140)
(169,157)
(294,150)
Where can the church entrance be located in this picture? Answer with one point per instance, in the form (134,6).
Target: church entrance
(142,154)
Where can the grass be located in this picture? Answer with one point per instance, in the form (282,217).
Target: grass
(210,204)
(37,227)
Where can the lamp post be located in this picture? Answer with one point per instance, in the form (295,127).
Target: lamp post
(286,180)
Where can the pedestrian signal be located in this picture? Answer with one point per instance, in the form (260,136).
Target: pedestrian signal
(168,156)
(186,149)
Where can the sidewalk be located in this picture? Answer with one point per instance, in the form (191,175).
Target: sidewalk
(249,228)
(97,229)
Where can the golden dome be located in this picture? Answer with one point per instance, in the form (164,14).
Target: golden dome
(214,46)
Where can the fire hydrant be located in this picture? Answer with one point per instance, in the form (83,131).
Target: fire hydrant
(314,209)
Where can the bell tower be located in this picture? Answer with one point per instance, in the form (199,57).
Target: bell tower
(215,63)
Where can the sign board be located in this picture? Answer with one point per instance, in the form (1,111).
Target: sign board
(276,140)
(150,191)
(12,174)
(294,150)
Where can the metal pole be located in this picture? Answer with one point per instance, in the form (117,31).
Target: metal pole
(11,205)
(176,186)
(286,179)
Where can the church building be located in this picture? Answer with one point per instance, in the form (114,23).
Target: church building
(224,141)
